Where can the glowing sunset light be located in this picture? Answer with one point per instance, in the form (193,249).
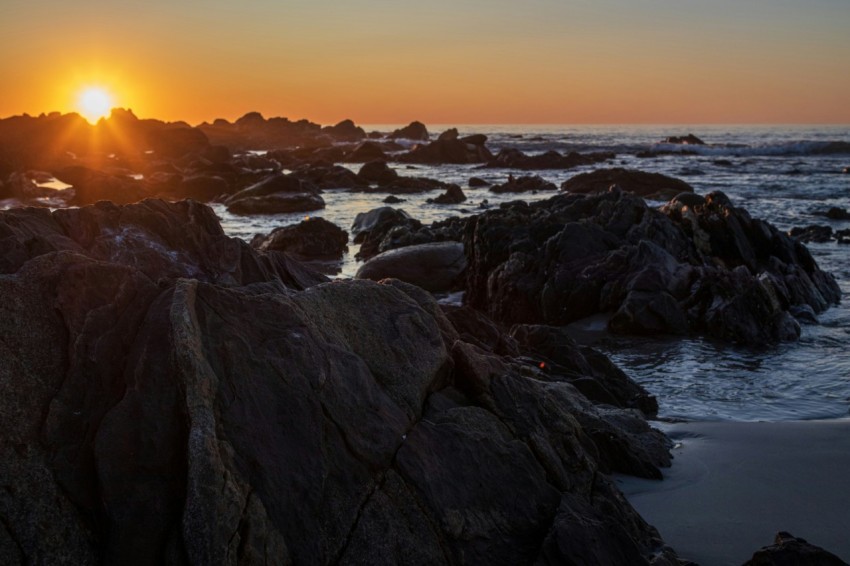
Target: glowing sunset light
(94,103)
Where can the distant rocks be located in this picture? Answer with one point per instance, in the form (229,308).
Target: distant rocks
(436,267)
(515,159)
(813,233)
(476,182)
(377,172)
(533,183)
(640,183)
(91,186)
(453,195)
(835,213)
(450,148)
(689,139)
(366,151)
(790,550)
(276,194)
(413,131)
(346,130)
(313,238)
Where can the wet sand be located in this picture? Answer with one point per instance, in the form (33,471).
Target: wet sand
(734,485)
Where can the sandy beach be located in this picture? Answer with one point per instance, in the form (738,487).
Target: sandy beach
(734,485)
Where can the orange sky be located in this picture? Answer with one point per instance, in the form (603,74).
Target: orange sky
(459,61)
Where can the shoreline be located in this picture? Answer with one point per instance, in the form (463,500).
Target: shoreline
(734,485)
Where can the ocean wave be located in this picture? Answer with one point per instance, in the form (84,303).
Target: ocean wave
(801,147)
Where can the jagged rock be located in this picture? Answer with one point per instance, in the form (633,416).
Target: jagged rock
(449,148)
(345,131)
(326,176)
(171,395)
(515,159)
(788,550)
(413,131)
(377,172)
(435,267)
(647,185)
(524,184)
(689,139)
(314,238)
(453,195)
(814,233)
(690,268)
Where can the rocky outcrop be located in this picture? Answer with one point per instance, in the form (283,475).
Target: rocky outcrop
(91,186)
(413,131)
(515,159)
(640,183)
(173,396)
(436,267)
(689,139)
(276,194)
(531,183)
(450,148)
(453,195)
(377,172)
(788,549)
(365,152)
(345,131)
(700,265)
(310,239)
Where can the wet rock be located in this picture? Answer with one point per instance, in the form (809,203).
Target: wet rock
(453,195)
(377,172)
(515,159)
(365,152)
(276,194)
(323,176)
(313,238)
(435,267)
(525,184)
(91,186)
(689,139)
(476,182)
(370,228)
(647,185)
(345,131)
(413,131)
(790,550)
(449,148)
(392,199)
(835,213)
(813,233)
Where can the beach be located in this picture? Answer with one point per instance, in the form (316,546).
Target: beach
(734,485)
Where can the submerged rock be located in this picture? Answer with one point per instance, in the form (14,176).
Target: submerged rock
(171,395)
(813,233)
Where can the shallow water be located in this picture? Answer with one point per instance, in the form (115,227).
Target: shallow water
(777,173)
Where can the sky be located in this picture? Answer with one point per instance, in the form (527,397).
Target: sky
(440,61)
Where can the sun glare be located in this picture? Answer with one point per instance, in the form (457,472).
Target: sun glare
(94,103)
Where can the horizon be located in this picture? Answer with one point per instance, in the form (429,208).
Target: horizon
(472,62)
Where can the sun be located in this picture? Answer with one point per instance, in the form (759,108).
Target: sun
(94,103)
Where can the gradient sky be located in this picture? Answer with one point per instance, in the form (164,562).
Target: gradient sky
(440,61)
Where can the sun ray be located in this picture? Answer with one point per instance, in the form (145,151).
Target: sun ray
(94,103)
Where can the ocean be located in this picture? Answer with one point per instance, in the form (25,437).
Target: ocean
(783,174)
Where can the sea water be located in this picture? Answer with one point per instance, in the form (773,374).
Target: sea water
(781,174)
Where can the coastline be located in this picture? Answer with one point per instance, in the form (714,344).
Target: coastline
(734,485)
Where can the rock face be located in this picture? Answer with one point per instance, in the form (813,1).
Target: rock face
(692,268)
(790,550)
(436,267)
(646,185)
(172,396)
(314,238)
(276,194)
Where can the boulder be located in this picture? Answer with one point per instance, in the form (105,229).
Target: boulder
(435,267)
(689,139)
(345,131)
(449,148)
(813,233)
(453,195)
(413,131)
(476,182)
(276,194)
(533,184)
(313,238)
(511,158)
(91,186)
(790,550)
(365,152)
(377,172)
(835,213)
(641,183)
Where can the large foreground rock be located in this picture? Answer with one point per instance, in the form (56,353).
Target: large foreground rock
(700,265)
(172,396)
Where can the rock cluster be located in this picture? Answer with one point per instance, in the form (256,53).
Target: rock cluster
(515,159)
(173,396)
(640,183)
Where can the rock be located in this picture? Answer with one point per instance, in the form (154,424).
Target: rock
(647,185)
(524,184)
(790,550)
(813,233)
(435,267)
(202,188)
(515,159)
(707,267)
(313,238)
(689,139)
(392,199)
(370,228)
(276,194)
(325,176)
(453,195)
(448,148)
(835,213)
(171,395)
(377,172)
(475,182)
(413,131)
(345,131)
(449,135)
(365,152)
(91,186)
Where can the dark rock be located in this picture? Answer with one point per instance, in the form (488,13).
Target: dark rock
(814,233)
(449,135)
(414,233)
(202,188)
(647,185)
(326,176)
(91,186)
(475,328)
(835,213)
(448,148)
(413,131)
(276,203)
(345,131)
(370,228)
(515,159)
(689,139)
(365,152)
(313,238)
(392,199)
(409,185)
(453,195)
(788,550)
(478,182)
(377,172)
(524,184)
(435,267)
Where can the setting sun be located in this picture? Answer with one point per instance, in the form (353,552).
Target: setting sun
(94,104)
